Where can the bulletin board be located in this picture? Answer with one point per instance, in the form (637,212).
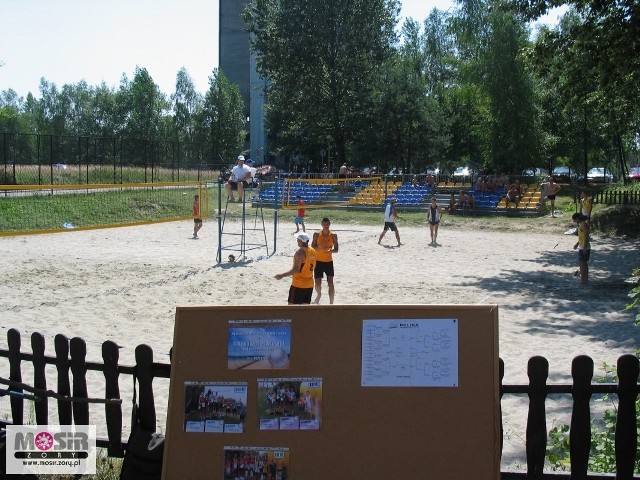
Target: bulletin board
(364,431)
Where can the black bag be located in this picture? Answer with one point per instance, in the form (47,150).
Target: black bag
(143,456)
(3,461)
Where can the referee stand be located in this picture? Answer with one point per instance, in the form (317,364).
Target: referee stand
(252,235)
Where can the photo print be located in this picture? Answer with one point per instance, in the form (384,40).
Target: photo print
(289,403)
(215,407)
(264,463)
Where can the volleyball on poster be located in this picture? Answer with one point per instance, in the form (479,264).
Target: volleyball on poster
(289,403)
(259,344)
(215,407)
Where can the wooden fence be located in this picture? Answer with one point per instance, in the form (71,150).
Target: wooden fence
(73,400)
(612,197)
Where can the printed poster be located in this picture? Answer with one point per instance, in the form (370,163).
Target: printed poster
(215,407)
(410,353)
(268,463)
(259,344)
(289,403)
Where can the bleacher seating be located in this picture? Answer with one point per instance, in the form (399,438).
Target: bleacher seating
(365,192)
(309,193)
(530,200)
(372,194)
(407,194)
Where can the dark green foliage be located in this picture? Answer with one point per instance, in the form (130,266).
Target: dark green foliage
(602,455)
(469,86)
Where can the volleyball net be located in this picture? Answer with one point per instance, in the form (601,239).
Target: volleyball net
(32,209)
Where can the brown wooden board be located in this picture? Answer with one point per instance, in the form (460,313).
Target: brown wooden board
(366,432)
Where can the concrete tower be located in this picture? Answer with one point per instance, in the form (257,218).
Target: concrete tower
(239,66)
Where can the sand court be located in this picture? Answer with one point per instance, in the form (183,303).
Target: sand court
(124,285)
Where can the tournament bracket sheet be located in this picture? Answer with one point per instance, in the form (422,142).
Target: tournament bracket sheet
(410,353)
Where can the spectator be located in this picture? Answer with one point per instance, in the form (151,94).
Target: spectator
(430,181)
(490,185)
(452,204)
(518,187)
(466,201)
(551,189)
(342,174)
(512,195)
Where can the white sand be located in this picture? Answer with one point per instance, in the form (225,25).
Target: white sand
(124,284)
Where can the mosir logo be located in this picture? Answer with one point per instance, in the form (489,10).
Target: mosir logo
(51,449)
(43,441)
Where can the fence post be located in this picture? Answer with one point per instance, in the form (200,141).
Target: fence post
(62,365)
(501,377)
(15,374)
(39,378)
(78,350)
(626,423)
(113,413)
(536,435)
(580,433)
(144,374)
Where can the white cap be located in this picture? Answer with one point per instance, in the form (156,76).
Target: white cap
(303,237)
(241,157)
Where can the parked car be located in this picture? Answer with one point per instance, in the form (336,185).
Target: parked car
(634,174)
(563,174)
(600,174)
(462,172)
(537,172)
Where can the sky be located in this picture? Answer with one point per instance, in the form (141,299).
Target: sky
(66,41)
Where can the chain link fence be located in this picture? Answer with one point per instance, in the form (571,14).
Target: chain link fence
(33,159)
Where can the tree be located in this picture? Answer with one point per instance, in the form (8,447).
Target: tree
(107,122)
(321,58)
(510,90)
(405,119)
(599,44)
(10,106)
(221,121)
(145,104)
(186,101)
(52,110)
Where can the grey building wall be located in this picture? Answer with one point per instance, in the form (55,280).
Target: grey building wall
(238,64)
(233,44)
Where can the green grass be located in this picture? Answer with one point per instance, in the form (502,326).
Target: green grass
(47,211)
(125,206)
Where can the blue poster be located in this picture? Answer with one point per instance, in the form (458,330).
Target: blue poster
(259,344)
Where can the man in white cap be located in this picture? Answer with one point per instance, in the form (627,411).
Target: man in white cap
(304,263)
(238,179)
